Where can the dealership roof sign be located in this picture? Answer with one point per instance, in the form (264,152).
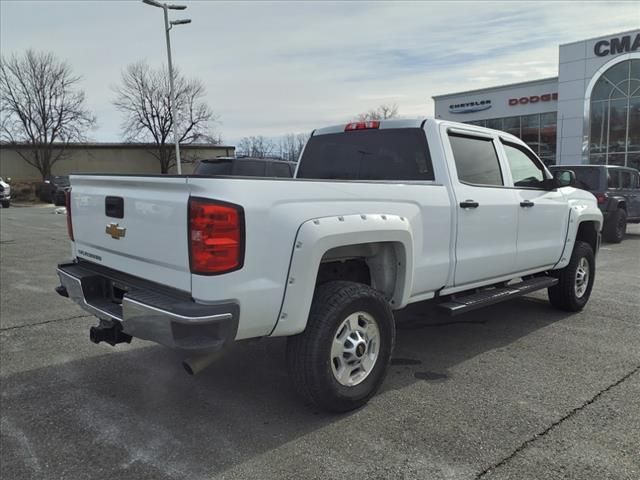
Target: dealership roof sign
(615,46)
(470,107)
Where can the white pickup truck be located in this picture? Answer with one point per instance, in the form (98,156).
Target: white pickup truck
(378,216)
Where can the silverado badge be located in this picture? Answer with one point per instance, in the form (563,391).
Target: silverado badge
(115,231)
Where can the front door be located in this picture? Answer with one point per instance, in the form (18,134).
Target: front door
(487,216)
(543,214)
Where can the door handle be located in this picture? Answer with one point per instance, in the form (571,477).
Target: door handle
(469,204)
(527,203)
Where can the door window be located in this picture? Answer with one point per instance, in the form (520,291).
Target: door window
(613,180)
(476,160)
(625,179)
(525,169)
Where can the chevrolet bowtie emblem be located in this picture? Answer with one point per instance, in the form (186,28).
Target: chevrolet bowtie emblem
(115,231)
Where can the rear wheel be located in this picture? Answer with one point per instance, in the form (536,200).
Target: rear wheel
(340,360)
(575,281)
(616,226)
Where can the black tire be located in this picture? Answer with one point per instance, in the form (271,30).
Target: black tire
(6,204)
(616,226)
(563,295)
(309,359)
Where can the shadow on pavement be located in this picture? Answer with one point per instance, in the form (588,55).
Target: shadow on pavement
(136,414)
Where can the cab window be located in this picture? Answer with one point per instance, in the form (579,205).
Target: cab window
(476,160)
(526,170)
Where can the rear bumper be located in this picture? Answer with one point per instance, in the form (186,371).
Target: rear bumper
(175,321)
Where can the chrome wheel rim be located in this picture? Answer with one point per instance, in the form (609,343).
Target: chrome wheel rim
(355,349)
(582,277)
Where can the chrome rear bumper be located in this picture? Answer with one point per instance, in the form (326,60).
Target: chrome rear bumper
(172,320)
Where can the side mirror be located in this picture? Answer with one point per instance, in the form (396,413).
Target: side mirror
(564,178)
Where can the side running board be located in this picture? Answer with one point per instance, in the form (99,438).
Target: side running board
(465,303)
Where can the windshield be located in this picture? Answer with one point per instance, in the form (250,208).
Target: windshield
(389,154)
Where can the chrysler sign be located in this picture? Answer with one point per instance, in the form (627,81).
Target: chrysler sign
(470,107)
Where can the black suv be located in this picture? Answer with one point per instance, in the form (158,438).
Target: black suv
(246,167)
(617,190)
(53,189)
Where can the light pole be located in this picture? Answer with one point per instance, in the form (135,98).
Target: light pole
(172,94)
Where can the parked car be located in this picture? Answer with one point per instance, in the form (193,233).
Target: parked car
(380,215)
(5,194)
(53,189)
(617,190)
(246,167)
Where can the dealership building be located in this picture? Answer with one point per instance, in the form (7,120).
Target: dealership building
(588,114)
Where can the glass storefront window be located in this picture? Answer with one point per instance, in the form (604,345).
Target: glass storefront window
(512,125)
(495,123)
(614,133)
(539,131)
(548,133)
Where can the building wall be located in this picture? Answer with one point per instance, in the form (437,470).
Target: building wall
(506,101)
(580,63)
(104,158)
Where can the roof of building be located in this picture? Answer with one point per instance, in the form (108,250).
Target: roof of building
(611,35)
(497,87)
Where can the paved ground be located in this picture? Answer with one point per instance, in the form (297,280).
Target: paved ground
(517,391)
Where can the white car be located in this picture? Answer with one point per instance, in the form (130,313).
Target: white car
(379,215)
(5,193)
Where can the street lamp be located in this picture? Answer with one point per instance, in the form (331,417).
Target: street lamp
(172,94)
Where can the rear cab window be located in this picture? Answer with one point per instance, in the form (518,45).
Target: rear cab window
(214,167)
(374,154)
(249,168)
(476,160)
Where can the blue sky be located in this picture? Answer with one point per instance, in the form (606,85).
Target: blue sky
(277,67)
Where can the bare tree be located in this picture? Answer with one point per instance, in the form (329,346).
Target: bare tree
(144,98)
(41,105)
(382,112)
(291,145)
(256,146)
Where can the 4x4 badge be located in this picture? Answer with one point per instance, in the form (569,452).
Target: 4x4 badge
(115,231)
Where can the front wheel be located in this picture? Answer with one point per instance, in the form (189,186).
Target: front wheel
(6,203)
(575,281)
(340,360)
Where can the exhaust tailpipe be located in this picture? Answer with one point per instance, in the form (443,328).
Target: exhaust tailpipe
(197,363)
(110,332)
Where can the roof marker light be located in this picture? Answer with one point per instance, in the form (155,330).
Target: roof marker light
(372,124)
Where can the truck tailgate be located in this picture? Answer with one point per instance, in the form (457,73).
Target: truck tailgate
(134,224)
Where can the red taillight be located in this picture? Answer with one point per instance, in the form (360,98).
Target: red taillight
(216,236)
(362,125)
(602,197)
(67,202)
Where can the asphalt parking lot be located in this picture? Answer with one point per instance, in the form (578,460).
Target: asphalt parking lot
(515,391)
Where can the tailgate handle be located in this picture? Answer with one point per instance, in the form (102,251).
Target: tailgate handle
(114,207)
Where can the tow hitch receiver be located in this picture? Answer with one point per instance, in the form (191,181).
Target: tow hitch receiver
(109,331)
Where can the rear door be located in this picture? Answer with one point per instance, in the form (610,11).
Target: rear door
(133,224)
(631,192)
(543,214)
(487,213)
